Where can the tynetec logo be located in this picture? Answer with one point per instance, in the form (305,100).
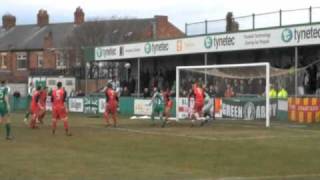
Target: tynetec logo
(208,42)
(287,35)
(218,42)
(300,34)
(154,48)
(106,52)
(147,48)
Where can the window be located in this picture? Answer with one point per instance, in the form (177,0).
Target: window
(60,61)
(78,61)
(52,82)
(22,61)
(3,61)
(69,82)
(40,60)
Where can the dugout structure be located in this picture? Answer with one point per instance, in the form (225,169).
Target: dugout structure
(214,74)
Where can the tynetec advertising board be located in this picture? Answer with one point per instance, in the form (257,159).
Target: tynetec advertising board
(272,38)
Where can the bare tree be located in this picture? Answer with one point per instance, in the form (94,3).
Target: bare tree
(101,32)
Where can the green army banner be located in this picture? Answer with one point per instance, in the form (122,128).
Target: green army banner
(249,108)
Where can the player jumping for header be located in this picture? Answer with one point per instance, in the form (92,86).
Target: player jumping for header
(168,106)
(43,102)
(198,94)
(35,108)
(59,110)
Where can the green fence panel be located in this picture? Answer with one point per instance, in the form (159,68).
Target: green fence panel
(126,105)
(282,110)
(19,104)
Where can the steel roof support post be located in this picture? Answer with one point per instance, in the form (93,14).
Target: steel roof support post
(205,70)
(138,76)
(296,55)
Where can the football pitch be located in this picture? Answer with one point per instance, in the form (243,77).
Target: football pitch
(136,150)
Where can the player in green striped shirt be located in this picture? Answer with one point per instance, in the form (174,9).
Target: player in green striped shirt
(157,104)
(4,109)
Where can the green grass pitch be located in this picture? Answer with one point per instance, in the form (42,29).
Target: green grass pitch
(221,150)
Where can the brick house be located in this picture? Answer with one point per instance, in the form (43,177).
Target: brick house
(39,49)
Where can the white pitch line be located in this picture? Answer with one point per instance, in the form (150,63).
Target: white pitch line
(271,177)
(209,138)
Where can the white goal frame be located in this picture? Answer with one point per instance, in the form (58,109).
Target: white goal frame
(266,64)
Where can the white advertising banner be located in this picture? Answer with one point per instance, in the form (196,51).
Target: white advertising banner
(102,105)
(272,38)
(283,105)
(184,108)
(76,105)
(142,107)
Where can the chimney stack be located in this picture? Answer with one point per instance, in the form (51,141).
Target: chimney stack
(43,18)
(161,20)
(78,16)
(8,21)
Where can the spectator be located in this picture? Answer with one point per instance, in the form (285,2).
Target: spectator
(229,91)
(125,91)
(211,91)
(80,93)
(115,84)
(236,86)
(250,87)
(132,85)
(72,93)
(242,87)
(260,87)
(282,94)
(218,91)
(146,93)
(160,80)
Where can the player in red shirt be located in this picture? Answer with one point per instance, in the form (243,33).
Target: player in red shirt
(59,111)
(43,102)
(168,106)
(35,107)
(111,105)
(198,94)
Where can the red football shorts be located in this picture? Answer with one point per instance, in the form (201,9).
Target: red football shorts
(59,112)
(111,108)
(35,110)
(169,104)
(198,107)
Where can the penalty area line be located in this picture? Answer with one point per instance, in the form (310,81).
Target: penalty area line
(208,138)
(271,177)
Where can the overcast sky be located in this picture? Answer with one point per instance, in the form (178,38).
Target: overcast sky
(179,11)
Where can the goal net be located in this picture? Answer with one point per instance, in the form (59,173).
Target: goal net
(232,91)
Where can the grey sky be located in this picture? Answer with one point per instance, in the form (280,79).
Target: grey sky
(179,11)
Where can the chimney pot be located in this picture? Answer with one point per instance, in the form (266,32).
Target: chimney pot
(78,16)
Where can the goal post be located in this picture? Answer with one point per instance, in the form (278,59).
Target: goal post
(220,77)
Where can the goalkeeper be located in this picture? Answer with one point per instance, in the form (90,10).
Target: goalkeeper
(157,103)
